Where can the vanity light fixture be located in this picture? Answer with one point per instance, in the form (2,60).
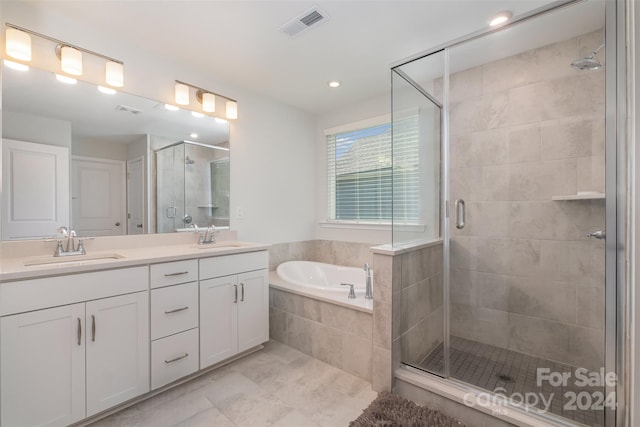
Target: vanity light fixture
(207,99)
(66,79)
(181,94)
(18,46)
(16,65)
(500,18)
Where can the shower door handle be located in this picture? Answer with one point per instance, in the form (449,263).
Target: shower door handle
(459,214)
(599,234)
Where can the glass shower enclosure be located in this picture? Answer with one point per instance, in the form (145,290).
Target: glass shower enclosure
(192,186)
(506,292)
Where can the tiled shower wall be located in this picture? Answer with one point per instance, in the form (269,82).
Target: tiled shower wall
(523,275)
(418,302)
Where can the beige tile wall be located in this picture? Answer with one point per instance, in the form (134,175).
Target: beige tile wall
(328,251)
(417,303)
(523,276)
(339,336)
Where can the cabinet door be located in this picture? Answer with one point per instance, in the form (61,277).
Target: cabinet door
(218,319)
(43,367)
(117,336)
(253,309)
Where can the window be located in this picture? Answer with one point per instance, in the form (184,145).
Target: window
(360,175)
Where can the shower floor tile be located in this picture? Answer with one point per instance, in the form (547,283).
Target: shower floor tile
(493,368)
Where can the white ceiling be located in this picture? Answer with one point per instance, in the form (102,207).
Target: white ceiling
(241,42)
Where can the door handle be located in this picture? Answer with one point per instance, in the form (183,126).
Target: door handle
(598,234)
(79,331)
(139,225)
(118,224)
(93,328)
(242,293)
(460,213)
(236,293)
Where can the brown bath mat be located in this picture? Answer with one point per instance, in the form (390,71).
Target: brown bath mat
(391,410)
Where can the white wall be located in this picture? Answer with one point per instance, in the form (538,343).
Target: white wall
(273,146)
(41,130)
(101,149)
(361,111)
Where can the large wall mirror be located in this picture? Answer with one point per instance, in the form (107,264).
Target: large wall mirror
(106,163)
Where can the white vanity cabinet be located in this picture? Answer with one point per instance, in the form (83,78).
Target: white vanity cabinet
(59,365)
(174,321)
(234,305)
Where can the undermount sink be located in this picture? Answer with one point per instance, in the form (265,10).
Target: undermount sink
(222,245)
(73,259)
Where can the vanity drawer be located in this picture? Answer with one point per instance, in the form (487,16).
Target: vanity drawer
(174,357)
(174,309)
(233,264)
(173,273)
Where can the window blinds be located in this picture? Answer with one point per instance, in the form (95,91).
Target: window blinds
(361,181)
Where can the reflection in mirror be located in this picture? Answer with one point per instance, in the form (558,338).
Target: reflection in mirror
(75,156)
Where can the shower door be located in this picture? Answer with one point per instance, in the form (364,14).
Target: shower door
(520,294)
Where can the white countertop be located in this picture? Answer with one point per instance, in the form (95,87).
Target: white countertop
(130,251)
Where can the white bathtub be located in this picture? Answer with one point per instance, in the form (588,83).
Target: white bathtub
(322,281)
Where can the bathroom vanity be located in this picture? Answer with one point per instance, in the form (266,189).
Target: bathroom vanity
(80,336)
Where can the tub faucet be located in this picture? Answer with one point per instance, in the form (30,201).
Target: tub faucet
(352,292)
(369,292)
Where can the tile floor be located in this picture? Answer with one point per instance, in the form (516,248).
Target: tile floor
(481,364)
(277,386)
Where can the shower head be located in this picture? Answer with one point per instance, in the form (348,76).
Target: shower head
(189,161)
(589,62)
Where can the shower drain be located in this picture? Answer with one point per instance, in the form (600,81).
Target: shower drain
(504,377)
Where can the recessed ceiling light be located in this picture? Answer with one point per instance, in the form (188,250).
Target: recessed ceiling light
(333,83)
(500,18)
(16,65)
(65,79)
(193,135)
(171,107)
(196,114)
(106,90)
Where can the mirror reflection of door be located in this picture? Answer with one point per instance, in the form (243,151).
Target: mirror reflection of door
(98,196)
(135,196)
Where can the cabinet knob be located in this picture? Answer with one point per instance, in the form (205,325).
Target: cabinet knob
(118,224)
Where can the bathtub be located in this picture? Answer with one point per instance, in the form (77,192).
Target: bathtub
(323,281)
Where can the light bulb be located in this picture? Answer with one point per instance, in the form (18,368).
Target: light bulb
(18,44)
(209,102)
(232,110)
(114,74)
(182,94)
(71,60)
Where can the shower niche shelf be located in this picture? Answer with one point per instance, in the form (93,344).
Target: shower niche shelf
(580,196)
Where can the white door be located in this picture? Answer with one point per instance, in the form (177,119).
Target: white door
(42,366)
(135,197)
(218,319)
(97,197)
(35,200)
(253,309)
(117,336)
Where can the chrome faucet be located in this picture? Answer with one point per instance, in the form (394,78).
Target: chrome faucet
(70,248)
(209,236)
(352,292)
(368,292)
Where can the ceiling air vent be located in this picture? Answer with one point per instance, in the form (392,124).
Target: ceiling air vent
(127,109)
(304,22)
